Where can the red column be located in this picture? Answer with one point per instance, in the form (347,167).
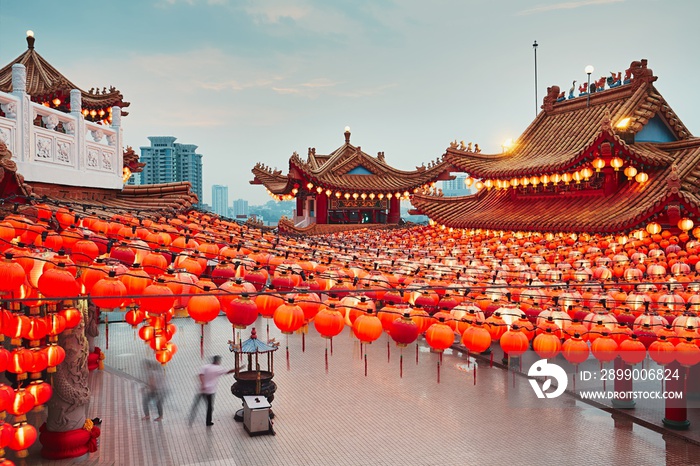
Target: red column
(394,210)
(676,409)
(623,386)
(322,208)
(300,206)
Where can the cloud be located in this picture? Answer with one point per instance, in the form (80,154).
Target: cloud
(272,12)
(565,6)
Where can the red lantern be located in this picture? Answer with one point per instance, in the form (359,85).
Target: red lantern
(134,317)
(404,330)
(58,282)
(41,391)
(109,292)
(496,326)
(36,330)
(7,395)
(7,433)
(258,277)
(604,348)
(72,316)
(85,251)
(547,345)
(21,360)
(56,323)
(55,354)
(310,303)
(476,338)
(288,317)
(662,351)
(367,327)
(422,319)
(203,308)
(268,304)
(4,359)
(136,280)
(39,361)
(154,264)
(22,403)
(514,342)
(632,351)
(242,312)
(687,353)
(329,322)
(12,275)
(439,336)
(575,350)
(123,254)
(157,298)
(25,436)
(91,275)
(146,333)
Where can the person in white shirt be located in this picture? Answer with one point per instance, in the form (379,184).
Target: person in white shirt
(209,376)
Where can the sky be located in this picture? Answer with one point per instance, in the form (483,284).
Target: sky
(255,80)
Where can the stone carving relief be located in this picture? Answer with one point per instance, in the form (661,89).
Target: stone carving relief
(51,121)
(43,148)
(69,127)
(111,139)
(63,152)
(70,384)
(92,158)
(10,110)
(19,78)
(97,135)
(107,161)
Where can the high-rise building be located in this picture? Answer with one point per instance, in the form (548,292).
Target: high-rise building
(219,200)
(240,208)
(168,161)
(456,187)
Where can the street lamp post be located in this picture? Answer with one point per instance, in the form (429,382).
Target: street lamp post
(589,70)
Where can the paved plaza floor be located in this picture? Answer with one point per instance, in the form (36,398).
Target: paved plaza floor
(343,417)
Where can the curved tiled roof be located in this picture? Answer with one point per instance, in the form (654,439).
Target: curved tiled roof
(43,80)
(334,171)
(564,131)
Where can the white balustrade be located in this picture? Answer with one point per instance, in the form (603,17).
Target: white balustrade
(64,148)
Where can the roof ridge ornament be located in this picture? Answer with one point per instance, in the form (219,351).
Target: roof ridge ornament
(30,39)
(674,181)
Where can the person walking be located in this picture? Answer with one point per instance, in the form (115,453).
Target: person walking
(209,376)
(154,389)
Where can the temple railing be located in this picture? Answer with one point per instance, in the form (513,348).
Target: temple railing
(50,146)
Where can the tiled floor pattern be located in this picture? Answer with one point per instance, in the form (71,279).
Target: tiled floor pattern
(344,418)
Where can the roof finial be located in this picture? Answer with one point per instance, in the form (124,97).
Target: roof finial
(30,39)
(347,135)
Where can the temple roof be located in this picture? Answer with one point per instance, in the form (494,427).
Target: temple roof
(348,168)
(562,133)
(44,83)
(131,160)
(567,135)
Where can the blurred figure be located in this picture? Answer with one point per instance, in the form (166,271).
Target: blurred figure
(209,376)
(154,389)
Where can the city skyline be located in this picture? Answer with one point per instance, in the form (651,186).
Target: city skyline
(255,81)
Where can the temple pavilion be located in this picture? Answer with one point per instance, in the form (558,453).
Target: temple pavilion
(346,187)
(612,160)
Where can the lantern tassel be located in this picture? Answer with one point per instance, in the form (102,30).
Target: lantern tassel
(438,371)
(287,349)
(106,331)
(267,323)
(303,342)
(416,353)
(388,352)
(365,364)
(201,342)
(468,362)
(331,346)
(491,361)
(474,373)
(401,364)
(326,357)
